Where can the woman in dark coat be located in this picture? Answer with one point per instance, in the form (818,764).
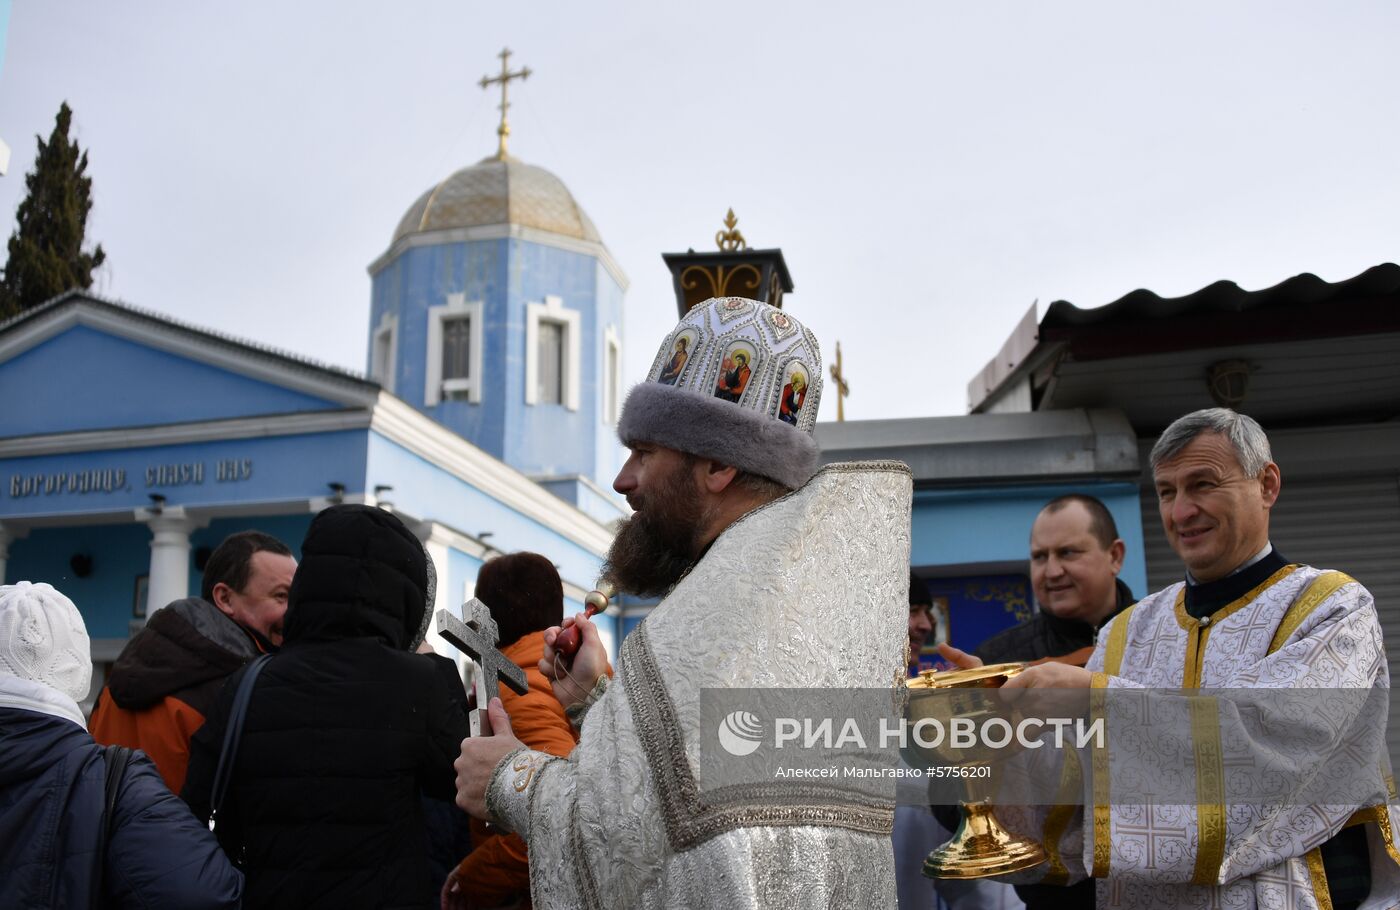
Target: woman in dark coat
(345,729)
(57,848)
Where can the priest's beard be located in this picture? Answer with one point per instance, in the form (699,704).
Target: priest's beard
(661,541)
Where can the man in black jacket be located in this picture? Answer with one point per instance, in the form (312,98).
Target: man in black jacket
(1076,555)
(345,728)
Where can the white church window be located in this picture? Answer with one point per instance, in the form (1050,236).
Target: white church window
(381,364)
(454,368)
(550,363)
(612,375)
(552,339)
(456,347)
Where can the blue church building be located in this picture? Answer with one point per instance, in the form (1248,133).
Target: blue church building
(131,443)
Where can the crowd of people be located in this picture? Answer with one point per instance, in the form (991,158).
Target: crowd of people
(320,749)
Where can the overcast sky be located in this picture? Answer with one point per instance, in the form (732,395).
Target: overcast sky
(928,168)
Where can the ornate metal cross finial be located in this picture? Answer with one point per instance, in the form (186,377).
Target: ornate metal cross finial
(503,131)
(842,387)
(731,240)
(477,637)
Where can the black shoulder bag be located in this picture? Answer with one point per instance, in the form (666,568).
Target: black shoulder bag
(228,754)
(116,759)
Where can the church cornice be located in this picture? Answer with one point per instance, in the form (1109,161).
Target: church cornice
(502,232)
(400,423)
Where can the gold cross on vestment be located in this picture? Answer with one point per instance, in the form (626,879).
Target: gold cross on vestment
(503,80)
(842,387)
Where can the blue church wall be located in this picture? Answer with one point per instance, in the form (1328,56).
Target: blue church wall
(961,527)
(85,379)
(608,453)
(269,469)
(459,579)
(593,504)
(423,277)
(505,275)
(549,438)
(120,552)
(426,490)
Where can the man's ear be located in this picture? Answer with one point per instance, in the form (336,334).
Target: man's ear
(220,595)
(715,476)
(1270,482)
(1116,551)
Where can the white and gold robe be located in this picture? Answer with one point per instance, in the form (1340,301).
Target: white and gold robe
(1302,628)
(807,591)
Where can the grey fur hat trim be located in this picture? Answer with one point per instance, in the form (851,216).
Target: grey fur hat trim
(720,430)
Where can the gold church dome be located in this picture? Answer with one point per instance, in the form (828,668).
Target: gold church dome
(499,191)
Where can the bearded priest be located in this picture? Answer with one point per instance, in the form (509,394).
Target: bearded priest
(774,574)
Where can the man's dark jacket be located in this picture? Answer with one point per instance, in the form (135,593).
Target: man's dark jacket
(1044,635)
(345,730)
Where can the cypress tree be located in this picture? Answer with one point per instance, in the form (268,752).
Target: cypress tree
(46,254)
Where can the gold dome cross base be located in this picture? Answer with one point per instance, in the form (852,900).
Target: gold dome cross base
(982,847)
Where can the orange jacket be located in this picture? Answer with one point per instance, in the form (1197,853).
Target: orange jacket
(162,731)
(497,871)
(165,682)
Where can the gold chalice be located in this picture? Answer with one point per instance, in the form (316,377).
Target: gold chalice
(981,846)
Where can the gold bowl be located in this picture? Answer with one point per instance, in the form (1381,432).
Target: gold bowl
(981,846)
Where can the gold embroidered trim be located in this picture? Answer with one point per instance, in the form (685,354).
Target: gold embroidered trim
(1196,643)
(690,818)
(1380,817)
(1210,790)
(1117,642)
(1321,893)
(1071,779)
(1321,588)
(1103,820)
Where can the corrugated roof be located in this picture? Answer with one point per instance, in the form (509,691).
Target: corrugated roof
(1226,297)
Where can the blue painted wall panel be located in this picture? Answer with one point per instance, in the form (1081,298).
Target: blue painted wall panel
(120,552)
(278,468)
(84,379)
(505,275)
(955,527)
(427,491)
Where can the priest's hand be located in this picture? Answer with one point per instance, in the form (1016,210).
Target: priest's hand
(1050,675)
(479,758)
(960,659)
(1050,690)
(573,678)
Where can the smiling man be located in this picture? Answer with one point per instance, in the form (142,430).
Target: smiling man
(1244,619)
(772,574)
(168,676)
(1076,556)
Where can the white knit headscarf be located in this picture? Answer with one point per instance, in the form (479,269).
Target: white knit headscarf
(43,640)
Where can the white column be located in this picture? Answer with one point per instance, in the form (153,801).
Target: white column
(169,577)
(6,536)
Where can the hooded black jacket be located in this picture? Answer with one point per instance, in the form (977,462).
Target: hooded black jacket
(345,730)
